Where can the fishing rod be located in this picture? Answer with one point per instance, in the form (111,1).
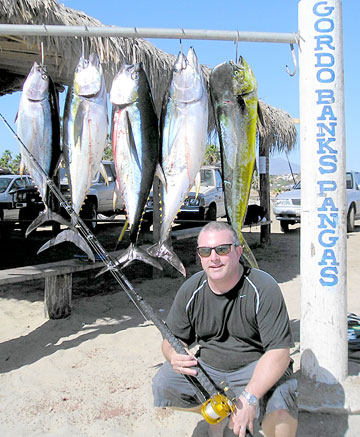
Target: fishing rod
(217,402)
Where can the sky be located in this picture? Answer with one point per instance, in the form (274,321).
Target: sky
(268,60)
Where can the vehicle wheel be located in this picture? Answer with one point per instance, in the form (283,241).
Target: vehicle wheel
(211,213)
(351,219)
(90,213)
(284,225)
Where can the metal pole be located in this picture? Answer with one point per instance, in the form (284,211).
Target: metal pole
(324,348)
(137,32)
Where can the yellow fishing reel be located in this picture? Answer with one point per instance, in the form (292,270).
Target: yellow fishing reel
(217,408)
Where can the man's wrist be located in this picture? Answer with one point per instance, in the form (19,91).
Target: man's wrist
(250,398)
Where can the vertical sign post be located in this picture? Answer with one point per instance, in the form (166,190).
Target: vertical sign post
(323,194)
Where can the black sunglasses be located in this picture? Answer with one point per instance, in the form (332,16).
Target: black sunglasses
(221,249)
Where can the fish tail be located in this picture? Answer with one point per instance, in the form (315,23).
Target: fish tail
(133,253)
(165,251)
(46,216)
(72,237)
(247,253)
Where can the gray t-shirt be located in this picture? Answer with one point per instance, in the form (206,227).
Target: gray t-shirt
(235,328)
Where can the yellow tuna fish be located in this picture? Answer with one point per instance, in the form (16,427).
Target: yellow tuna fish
(233,90)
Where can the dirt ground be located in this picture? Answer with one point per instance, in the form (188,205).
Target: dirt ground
(90,374)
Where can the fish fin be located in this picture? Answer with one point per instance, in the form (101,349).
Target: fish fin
(132,143)
(197,184)
(78,124)
(164,251)
(22,167)
(135,253)
(159,173)
(247,253)
(72,237)
(46,216)
(102,170)
(260,118)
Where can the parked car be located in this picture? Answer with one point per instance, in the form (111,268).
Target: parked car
(9,184)
(208,205)
(287,207)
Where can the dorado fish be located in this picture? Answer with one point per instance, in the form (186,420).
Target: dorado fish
(135,142)
(38,127)
(233,89)
(85,132)
(183,133)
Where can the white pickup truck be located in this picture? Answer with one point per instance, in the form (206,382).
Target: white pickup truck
(208,205)
(287,207)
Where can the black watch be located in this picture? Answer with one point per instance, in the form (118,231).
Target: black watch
(251,399)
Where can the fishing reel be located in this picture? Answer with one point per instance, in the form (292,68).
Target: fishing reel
(218,407)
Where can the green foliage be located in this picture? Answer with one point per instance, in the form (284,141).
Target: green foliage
(7,161)
(212,155)
(108,152)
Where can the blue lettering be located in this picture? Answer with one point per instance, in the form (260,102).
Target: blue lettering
(328,255)
(325,75)
(325,219)
(325,11)
(330,274)
(328,203)
(326,186)
(331,241)
(327,111)
(324,25)
(325,161)
(324,144)
(329,129)
(324,40)
(325,96)
(321,57)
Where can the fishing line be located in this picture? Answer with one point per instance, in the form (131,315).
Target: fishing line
(217,402)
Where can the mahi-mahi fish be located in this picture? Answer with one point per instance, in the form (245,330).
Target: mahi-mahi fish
(85,132)
(183,132)
(38,127)
(135,142)
(233,89)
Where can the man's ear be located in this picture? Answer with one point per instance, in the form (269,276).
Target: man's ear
(239,250)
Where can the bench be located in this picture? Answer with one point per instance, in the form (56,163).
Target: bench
(58,281)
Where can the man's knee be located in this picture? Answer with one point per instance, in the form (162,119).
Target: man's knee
(279,423)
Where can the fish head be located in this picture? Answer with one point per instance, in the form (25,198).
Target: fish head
(88,76)
(244,78)
(36,85)
(124,88)
(187,83)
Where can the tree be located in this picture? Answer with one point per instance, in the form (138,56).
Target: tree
(212,155)
(7,161)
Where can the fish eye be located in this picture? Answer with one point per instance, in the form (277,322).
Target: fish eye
(135,75)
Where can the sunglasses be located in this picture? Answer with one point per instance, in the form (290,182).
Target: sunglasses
(221,249)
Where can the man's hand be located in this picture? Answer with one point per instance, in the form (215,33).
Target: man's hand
(242,418)
(181,363)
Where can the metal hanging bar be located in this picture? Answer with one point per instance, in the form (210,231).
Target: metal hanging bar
(138,32)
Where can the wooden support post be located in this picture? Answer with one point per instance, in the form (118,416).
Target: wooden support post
(57,303)
(265,231)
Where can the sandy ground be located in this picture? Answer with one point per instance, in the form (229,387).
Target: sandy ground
(90,374)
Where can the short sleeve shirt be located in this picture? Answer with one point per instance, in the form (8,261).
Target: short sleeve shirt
(235,328)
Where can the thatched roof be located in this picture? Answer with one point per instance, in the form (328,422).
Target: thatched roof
(62,53)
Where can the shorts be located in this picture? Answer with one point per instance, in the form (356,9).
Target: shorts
(171,389)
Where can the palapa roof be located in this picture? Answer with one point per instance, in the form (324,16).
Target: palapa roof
(61,55)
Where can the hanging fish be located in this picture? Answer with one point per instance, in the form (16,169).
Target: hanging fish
(38,127)
(184,122)
(135,142)
(85,132)
(233,89)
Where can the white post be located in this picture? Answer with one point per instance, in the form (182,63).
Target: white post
(324,349)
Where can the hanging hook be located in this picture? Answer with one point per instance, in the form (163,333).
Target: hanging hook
(236,46)
(294,59)
(82,48)
(42,53)
(134,55)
